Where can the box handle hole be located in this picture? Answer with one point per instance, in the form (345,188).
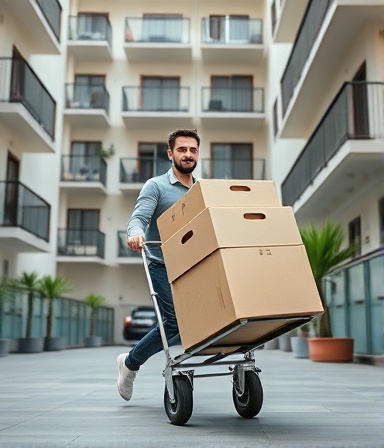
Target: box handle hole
(239,188)
(254,216)
(186,237)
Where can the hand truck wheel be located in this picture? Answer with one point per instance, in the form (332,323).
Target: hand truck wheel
(180,411)
(249,402)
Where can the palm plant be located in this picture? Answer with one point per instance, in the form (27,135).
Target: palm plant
(325,252)
(94,301)
(28,282)
(51,288)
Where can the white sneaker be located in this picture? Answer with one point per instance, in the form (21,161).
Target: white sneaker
(125,379)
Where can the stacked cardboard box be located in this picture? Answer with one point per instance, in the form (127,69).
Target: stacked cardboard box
(237,266)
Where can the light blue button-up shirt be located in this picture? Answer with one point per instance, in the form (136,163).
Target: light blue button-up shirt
(157,195)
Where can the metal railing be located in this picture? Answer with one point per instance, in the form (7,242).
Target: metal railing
(81,242)
(20,84)
(85,96)
(355,294)
(122,249)
(231,30)
(357,112)
(90,27)
(71,319)
(306,36)
(83,169)
(21,207)
(226,168)
(52,12)
(155,99)
(138,170)
(232,100)
(160,29)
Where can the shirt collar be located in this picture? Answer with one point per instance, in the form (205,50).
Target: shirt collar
(173,179)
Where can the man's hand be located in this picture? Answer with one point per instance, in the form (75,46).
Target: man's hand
(135,243)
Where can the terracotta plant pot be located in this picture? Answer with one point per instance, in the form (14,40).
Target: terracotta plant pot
(331,349)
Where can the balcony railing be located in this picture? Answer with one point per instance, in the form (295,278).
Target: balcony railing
(226,168)
(21,207)
(84,96)
(81,242)
(90,27)
(232,100)
(52,12)
(231,30)
(20,84)
(83,169)
(123,250)
(140,169)
(308,32)
(160,29)
(357,112)
(155,99)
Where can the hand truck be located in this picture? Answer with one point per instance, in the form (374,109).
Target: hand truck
(247,391)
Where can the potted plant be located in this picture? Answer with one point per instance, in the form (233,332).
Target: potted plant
(325,251)
(51,288)
(29,284)
(94,302)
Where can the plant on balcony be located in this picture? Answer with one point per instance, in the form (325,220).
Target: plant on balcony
(94,301)
(51,288)
(28,283)
(325,251)
(107,152)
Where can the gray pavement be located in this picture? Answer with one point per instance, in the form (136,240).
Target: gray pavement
(69,399)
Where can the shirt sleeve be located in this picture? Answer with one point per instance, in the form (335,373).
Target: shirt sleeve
(144,209)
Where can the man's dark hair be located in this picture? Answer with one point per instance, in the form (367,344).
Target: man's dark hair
(182,133)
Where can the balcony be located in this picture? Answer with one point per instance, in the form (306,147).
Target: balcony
(146,107)
(158,39)
(343,154)
(232,40)
(134,171)
(24,219)
(87,106)
(27,109)
(90,38)
(86,174)
(225,108)
(80,245)
(126,256)
(41,18)
(320,44)
(287,16)
(226,168)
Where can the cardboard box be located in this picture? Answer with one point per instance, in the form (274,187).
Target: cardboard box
(219,227)
(262,283)
(216,193)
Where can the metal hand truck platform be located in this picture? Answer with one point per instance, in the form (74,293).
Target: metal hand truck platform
(247,391)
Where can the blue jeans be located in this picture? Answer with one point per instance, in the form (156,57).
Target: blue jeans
(151,343)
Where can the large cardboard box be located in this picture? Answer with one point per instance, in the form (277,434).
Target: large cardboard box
(216,193)
(219,227)
(268,285)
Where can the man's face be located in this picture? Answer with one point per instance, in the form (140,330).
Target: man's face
(185,154)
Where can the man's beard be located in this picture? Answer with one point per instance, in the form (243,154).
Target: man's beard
(183,170)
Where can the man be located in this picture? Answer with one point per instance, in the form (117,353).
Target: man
(157,195)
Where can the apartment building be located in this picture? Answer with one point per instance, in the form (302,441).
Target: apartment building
(271,86)
(327,148)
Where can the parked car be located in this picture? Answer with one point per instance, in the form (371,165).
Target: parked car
(141,320)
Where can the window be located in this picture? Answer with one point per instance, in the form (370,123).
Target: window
(354,228)
(231,28)
(381,219)
(232,93)
(162,28)
(85,159)
(153,160)
(90,91)
(231,161)
(275,119)
(160,94)
(83,226)
(92,26)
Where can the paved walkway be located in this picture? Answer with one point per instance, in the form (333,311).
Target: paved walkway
(69,399)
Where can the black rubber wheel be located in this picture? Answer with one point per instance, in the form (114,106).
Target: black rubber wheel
(180,411)
(248,404)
